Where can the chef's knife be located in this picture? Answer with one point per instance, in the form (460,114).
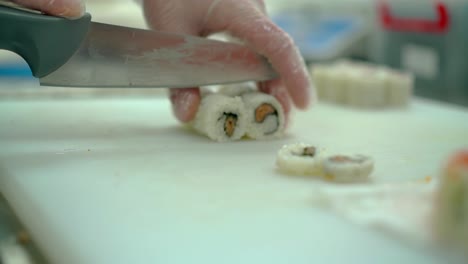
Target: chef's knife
(81,53)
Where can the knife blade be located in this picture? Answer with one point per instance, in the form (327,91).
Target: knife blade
(82,53)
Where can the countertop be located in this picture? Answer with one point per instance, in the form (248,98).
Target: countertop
(119,181)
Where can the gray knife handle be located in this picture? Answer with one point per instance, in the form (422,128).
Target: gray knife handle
(44,42)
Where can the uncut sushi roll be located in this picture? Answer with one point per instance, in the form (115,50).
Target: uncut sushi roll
(320,77)
(367,90)
(300,159)
(345,73)
(451,203)
(264,115)
(338,84)
(221,118)
(400,88)
(352,91)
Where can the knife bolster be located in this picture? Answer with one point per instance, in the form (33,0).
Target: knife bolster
(44,42)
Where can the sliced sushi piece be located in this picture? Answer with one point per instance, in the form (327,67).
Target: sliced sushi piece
(300,159)
(348,168)
(221,118)
(451,204)
(264,115)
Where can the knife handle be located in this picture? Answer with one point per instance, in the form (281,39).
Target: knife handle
(44,42)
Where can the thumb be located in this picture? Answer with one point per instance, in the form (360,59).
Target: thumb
(166,16)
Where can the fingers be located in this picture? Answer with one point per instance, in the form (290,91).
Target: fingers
(185,103)
(172,16)
(62,8)
(244,21)
(247,20)
(168,17)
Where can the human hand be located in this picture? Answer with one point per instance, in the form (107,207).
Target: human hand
(246,20)
(62,8)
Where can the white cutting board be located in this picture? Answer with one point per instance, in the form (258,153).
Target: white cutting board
(119,181)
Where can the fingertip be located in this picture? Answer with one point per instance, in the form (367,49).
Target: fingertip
(298,81)
(274,43)
(185,103)
(72,9)
(301,92)
(79,11)
(303,103)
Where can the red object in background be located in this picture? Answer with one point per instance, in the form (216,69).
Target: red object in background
(459,159)
(393,23)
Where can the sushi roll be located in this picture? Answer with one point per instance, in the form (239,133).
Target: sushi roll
(264,115)
(237,89)
(299,159)
(221,118)
(339,82)
(351,94)
(451,203)
(331,91)
(366,90)
(400,89)
(362,85)
(348,73)
(344,168)
(320,77)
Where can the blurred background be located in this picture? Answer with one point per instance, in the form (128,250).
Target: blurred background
(425,38)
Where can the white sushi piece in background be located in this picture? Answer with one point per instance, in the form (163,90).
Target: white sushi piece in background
(346,82)
(300,159)
(221,118)
(264,115)
(400,88)
(237,89)
(338,79)
(362,85)
(339,83)
(366,90)
(451,203)
(374,91)
(331,80)
(383,75)
(352,93)
(319,75)
(348,168)
(330,85)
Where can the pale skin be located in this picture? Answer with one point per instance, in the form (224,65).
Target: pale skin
(245,19)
